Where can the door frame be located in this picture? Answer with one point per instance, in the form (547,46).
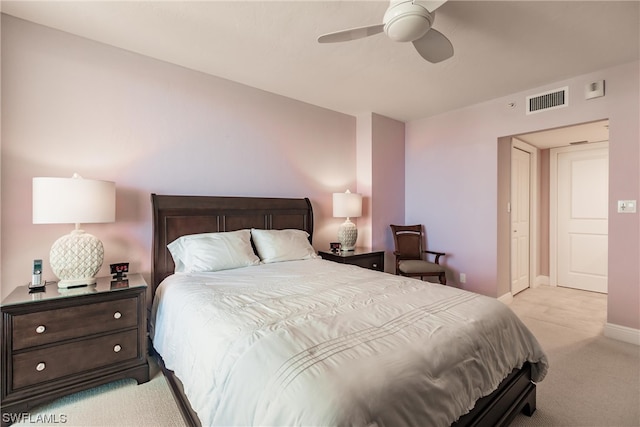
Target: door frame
(553,204)
(533,212)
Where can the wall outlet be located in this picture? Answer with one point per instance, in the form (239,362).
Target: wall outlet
(463,278)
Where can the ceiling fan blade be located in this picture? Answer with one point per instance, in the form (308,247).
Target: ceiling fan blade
(430,5)
(434,46)
(352,34)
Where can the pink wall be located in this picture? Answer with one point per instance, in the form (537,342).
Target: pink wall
(544,185)
(451,180)
(73,105)
(364,154)
(380,164)
(388,183)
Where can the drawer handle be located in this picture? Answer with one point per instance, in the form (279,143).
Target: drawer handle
(40,329)
(117,315)
(40,366)
(117,348)
(375,265)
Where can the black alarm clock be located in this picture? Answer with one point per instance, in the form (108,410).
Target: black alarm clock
(119,270)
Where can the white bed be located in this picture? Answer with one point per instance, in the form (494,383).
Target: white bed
(313,342)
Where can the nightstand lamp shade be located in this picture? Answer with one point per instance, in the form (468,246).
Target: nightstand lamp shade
(76,257)
(347,205)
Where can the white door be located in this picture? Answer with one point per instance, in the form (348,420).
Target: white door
(582,199)
(520,221)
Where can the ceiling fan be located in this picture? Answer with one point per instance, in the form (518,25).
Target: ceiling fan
(405,21)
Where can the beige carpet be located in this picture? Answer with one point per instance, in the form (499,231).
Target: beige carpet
(120,403)
(593,380)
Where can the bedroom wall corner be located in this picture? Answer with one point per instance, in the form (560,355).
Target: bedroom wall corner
(388,163)
(364,176)
(380,164)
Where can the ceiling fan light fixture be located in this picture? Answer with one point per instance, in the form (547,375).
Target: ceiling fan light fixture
(406,22)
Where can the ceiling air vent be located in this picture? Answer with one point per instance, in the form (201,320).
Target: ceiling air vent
(550,100)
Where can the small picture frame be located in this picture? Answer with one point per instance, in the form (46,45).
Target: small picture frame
(335,246)
(119,270)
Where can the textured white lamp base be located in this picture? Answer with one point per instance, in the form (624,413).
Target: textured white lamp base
(347,235)
(76,258)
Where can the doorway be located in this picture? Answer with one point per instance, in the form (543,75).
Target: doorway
(545,260)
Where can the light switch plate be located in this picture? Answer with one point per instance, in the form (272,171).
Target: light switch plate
(627,206)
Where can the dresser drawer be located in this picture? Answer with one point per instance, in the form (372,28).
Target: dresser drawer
(373,262)
(37,366)
(51,326)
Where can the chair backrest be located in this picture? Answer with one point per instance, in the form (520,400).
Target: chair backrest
(408,241)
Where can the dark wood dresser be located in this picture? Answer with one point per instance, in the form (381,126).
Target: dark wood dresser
(62,341)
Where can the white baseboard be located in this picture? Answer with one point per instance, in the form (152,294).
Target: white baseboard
(622,333)
(506,298)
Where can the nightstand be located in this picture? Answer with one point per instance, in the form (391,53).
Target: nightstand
(373,260)
(62,341)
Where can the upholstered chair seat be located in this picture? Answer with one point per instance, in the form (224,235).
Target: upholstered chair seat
(411,267)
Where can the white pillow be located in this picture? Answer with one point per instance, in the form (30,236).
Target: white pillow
(212,251)
(282,245)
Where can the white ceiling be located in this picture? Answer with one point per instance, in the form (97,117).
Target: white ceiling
(579,134)
(501,47)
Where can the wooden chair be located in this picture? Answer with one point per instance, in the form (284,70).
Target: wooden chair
(410,262)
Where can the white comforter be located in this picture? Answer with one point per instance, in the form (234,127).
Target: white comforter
(319,343)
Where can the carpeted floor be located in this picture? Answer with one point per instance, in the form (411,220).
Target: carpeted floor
(120,403)
(593,380)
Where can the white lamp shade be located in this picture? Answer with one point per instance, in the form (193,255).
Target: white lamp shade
(73,201)
(347,205)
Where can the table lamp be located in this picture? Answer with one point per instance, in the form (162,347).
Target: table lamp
(347,205)
(76,257)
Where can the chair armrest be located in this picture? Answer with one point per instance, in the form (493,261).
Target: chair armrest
(437,254)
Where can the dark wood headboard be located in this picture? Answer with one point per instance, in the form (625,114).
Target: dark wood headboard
(175,216)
